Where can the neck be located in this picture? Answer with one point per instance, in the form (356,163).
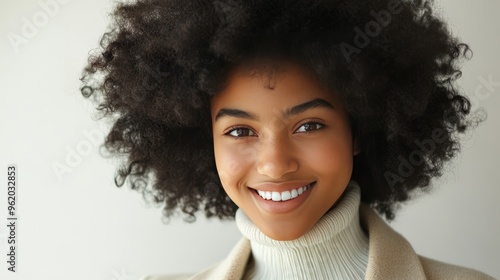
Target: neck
(335,248)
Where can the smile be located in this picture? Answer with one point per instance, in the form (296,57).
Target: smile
(286,195)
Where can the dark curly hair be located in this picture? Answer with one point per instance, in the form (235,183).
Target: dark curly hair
(392,63)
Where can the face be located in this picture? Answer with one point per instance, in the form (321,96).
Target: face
(284,155)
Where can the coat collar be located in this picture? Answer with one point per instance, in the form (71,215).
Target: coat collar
(390,255)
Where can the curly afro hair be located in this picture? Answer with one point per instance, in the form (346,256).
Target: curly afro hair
(392,63)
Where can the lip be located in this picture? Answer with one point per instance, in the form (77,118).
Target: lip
(281,207)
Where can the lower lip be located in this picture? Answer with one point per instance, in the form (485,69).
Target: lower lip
(280,207)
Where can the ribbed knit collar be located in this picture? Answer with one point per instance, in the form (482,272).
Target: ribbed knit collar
(335,248)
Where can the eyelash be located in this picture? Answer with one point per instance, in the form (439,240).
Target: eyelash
(308,122)
(234,128)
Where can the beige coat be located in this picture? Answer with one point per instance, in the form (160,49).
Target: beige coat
(390,257)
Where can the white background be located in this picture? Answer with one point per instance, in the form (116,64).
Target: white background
(79,226)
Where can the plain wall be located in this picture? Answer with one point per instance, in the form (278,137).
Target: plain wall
(78,225)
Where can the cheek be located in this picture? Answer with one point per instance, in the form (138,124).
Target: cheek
(330,156)
(233,162)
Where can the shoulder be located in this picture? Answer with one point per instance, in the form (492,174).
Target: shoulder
(440,270)
(391,256)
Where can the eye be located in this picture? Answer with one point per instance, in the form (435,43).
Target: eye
(240,132)
(309,126)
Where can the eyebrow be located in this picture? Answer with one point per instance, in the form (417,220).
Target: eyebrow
(315,103)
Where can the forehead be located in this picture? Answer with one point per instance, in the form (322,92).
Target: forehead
(276,87)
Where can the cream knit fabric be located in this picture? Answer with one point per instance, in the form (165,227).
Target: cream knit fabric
(335,248)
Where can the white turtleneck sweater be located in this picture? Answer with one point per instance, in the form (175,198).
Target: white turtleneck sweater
(335,248)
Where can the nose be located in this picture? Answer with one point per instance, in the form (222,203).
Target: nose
(275,159)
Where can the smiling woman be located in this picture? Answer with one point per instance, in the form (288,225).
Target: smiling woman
(266,112)
(300,142)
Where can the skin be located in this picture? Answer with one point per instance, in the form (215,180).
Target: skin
(260,147)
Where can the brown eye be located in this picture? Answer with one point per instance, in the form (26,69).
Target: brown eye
(310,126)
(240,132)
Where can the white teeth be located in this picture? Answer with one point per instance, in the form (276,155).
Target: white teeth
(276,196)
(268,195)
(284,196)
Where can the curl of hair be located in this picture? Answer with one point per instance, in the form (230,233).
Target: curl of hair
(163,61)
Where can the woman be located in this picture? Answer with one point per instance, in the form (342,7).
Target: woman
(295,117)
